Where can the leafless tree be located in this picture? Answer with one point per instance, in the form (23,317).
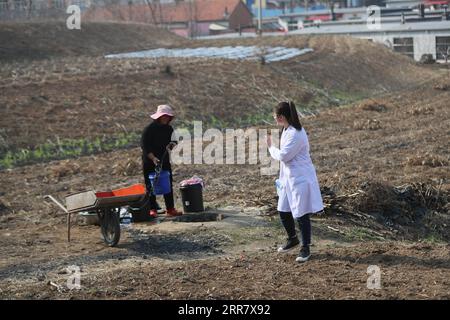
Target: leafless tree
(29,4)
(115,8)
(130,10)
(192,17)
(155,11)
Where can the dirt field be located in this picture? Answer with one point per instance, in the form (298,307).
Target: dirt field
(379,128)
(43,40)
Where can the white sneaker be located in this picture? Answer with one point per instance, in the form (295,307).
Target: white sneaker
(304,255)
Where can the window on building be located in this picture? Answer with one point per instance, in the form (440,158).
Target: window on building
(292,24)
(58,4)
(4,5)
(442,47)
(404,46)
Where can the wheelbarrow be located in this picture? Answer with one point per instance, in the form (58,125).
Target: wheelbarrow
(107,205)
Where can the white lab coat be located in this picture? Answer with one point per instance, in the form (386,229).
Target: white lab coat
(299,190)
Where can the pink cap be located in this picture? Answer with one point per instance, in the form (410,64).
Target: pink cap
(163,109)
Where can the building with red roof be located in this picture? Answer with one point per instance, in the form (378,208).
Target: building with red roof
(187,18)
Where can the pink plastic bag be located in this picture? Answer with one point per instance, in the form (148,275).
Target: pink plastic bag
(191,181)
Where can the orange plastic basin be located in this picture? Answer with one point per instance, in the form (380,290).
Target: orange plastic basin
(134,190)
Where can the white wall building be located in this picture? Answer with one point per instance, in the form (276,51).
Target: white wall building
(402,3)
(412,39)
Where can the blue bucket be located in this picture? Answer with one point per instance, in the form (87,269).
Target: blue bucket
(162,184)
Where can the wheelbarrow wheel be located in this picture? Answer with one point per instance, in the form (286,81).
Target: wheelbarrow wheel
(110,226)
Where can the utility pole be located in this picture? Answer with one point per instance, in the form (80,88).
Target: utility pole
(260,17)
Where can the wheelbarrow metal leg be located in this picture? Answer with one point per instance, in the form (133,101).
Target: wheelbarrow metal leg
(68,226)
(65,210)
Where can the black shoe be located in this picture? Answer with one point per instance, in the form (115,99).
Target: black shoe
(290,244)
(304,254)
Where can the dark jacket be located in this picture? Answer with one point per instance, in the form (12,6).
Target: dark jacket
(155,139)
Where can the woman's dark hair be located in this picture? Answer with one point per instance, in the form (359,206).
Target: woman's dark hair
(287,109)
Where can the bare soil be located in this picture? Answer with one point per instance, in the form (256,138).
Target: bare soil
(379,134)
(43,40)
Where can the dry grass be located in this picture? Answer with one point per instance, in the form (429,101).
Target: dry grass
(114,96)
(369,124)
(62,170)
(4,208)
(421,110)
(373,105)
(413,211)
(443,86)
(44,40)
(430,160)
(376,197)
(127,167)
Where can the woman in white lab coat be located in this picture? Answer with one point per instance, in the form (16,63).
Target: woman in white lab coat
(297,187)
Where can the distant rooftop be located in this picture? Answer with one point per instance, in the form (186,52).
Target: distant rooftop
(273,13)
(386,27)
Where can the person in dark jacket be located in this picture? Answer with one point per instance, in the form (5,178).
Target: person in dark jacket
(155,145)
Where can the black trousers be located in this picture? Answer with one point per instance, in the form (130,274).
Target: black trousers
(168,198)
(304,223)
